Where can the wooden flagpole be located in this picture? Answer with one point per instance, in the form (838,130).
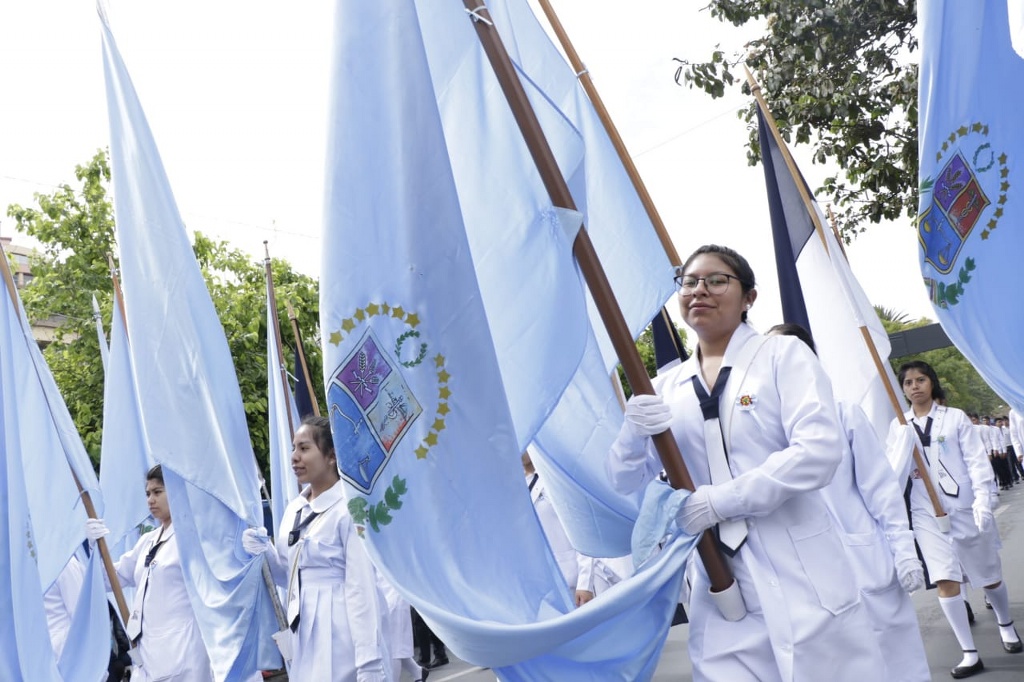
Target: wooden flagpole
(303,367)
(90,508)
(869,343)
(719,573)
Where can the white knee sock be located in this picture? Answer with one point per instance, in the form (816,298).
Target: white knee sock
(999,598)
(956,614)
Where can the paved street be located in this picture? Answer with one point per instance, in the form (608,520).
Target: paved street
(943,650)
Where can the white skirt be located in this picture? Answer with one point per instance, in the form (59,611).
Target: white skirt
(964,549)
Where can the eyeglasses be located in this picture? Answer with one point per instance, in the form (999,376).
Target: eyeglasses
(715,283)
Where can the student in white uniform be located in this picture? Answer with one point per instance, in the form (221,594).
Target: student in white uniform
(60,601)
(804,619)
(867,502)
(162,624)
(962,476)
(577,568)
(1016,424)
(399,623)
(335,609)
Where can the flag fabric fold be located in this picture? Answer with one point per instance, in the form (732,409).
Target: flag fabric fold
(284,419)
(43,517)
(819,291)
(124,453)
(428,433)
(968,219)
(190,402)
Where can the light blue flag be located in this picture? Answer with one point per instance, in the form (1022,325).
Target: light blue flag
(190,402)
(969,215)
(43,518)
(426,440)
(124,454)
(25,650)
(579,430)
(86,653)
(284,418)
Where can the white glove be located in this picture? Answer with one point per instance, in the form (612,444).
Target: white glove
(697,513)
(647,415)
(993,501)
(983,517)
(911,575)
(95,529)
(255,541)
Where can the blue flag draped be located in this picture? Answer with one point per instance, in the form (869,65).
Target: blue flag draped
(968,222)
(418,380)
(283,418)
(190,402)
(124,454)
(819,291)
(43,520)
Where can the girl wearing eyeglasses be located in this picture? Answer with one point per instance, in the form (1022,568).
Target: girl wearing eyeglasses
(755,421)
(166,644)
(334,607)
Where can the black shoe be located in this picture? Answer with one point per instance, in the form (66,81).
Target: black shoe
(426,674)
(987,604)
(970,613)
(962,671)
(437,662)
(1012,647)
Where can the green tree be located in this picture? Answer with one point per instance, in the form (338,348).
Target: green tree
(836,75)
(964,387)
(645,346)
(75,228)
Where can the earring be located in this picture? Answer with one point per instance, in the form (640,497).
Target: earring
(746,307)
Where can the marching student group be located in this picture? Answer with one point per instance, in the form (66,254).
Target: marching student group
(822,535)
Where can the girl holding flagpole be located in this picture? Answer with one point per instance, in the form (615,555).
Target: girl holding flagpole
(335,609)
(167,646)
(755,422)
(969,543)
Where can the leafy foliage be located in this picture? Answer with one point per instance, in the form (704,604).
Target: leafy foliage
(645,346)
(76,230)
(836,75)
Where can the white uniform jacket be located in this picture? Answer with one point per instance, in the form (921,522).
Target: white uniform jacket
(985,436)
(958,447)
(342,628)
(1017,433)
(867,501)
(784,443)
(577,568)
(171,647)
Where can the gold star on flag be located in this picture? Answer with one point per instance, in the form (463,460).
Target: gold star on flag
(360,314)
(385,309)
(984,234)
(372,309)
(1004,186)
(952,138)
(444,393)
(421,452)
(438,360)
(992,224)
(443,409)
(438,425)
(976,128)
(1004,172)
(1002,159)
(999,212)
(335,338)
(412,319)
(431,439)
(348,325)
(1002,199)
(397,313)
(443,376)
(961,131)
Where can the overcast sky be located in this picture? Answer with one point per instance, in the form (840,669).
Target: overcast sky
(236,95)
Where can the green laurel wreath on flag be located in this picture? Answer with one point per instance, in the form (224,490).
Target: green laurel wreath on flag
(377,515)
